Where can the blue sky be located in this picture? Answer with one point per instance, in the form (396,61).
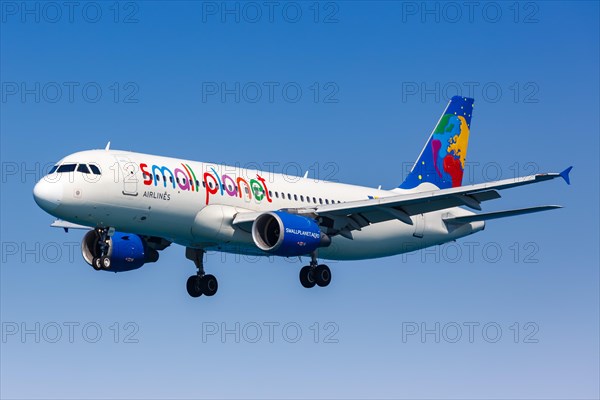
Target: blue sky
(349,91)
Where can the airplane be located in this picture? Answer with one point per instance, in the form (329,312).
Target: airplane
(135,205)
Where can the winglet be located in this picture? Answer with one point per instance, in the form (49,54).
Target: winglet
(107,146)
(565,175)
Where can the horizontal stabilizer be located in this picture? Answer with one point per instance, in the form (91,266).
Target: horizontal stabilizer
(497,214)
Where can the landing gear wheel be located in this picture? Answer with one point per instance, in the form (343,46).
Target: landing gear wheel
(322,275)
(307,277)
(209,285)
(201,283)
(105,262)
(193,286)
(96,263)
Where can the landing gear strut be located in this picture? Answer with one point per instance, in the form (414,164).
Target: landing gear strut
(102,261)
(201,283)
(315,274)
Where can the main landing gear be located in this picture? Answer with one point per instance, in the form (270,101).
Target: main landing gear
(200,284)
(315,274)
(102,261)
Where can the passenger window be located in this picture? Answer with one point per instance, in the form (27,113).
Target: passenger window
(289,196)
(315,200)
(270,194)
(302,198)
(320,200)
(83,168)
(277,194)
(296,197)
(66,168)
(157,177)
(95,169)
(53,170)
(326,201)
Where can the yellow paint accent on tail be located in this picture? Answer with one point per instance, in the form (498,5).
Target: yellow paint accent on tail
(458,144)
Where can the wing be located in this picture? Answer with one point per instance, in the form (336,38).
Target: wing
(59,223)
(343,218)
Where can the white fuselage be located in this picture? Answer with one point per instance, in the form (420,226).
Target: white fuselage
(193,204)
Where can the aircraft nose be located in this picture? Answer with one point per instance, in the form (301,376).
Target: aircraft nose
(48,195)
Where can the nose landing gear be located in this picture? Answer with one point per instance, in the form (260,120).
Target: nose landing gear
(102,261)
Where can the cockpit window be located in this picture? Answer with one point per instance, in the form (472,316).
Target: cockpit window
(83,168)
(95,169)
(66,168)
(53,170)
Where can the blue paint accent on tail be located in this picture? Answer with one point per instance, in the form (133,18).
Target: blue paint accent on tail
(442,160)
(565,175)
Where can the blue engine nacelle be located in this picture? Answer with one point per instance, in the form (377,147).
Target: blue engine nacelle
(126,251)
(288,235)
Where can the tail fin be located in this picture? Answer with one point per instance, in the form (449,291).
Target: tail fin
(442,160)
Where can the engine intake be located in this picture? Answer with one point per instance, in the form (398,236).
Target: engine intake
(287,235)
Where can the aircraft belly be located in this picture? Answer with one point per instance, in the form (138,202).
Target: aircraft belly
(387,239)
(380,240)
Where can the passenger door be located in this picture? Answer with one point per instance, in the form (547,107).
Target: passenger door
(127,175)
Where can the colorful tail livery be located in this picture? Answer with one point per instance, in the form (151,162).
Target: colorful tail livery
(442,160)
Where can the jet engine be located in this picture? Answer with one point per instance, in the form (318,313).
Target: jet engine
(284,234)
(125,250)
